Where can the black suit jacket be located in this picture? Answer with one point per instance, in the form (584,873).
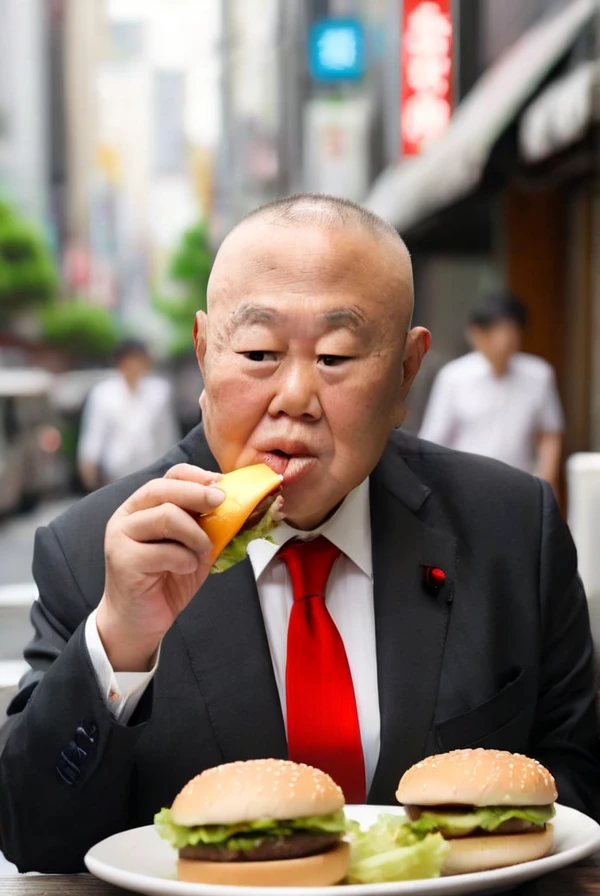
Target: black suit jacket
(501,657)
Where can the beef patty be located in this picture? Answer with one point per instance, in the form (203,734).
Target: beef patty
(292,847)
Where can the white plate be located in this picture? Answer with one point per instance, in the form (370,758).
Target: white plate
(139,860)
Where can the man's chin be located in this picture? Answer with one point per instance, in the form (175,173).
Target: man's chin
(302,513)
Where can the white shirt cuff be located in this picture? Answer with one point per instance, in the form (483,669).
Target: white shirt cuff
(122,691)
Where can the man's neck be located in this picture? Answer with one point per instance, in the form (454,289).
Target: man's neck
(499,366)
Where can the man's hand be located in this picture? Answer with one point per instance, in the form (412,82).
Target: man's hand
(157,557)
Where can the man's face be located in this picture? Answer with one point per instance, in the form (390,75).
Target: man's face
(302,358)
(498,342)
(135,365)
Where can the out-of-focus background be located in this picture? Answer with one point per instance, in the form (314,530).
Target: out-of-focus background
(135,133)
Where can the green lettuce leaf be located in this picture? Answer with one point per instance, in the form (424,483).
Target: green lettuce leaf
(488,819)
(245,834)
(237,548)
(390,850)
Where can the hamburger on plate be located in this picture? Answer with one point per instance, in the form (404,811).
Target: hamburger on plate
(251,509)
(493,807)
(261,823)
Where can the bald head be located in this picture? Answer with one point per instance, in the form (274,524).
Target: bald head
(391,265)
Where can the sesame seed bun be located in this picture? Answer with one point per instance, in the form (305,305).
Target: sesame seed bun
(477,778)
(257,788)
(469,854)
(244,490)
(322,870)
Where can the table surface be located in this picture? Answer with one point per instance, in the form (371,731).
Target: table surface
(582,879)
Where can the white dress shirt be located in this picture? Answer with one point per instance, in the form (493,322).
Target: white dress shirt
(473,409)
(349,600)
(124,430)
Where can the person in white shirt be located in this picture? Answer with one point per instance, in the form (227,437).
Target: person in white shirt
(128,419)
(498,401)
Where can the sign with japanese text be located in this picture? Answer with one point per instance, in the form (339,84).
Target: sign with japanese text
(426,74)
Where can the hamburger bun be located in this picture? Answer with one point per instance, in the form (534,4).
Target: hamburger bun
(244,490)
(261,788)
(256,788)
(469,854)
(321,870)
(477,778)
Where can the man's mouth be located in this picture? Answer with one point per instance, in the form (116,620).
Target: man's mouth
(292,466)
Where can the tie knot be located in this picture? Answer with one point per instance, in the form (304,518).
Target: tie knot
(309,564)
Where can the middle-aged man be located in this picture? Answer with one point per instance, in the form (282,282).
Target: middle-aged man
(454,615)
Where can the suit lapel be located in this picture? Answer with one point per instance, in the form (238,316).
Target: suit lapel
(410,622)
(226,642)
(225,637)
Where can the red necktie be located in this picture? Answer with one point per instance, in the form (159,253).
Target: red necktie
(322,719)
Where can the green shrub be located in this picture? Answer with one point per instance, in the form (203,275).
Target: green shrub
(188,274)
(27,273)
(80,328)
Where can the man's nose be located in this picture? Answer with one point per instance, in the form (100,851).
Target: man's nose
(297,392)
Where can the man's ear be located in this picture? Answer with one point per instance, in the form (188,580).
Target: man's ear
(200,338)
(418,343)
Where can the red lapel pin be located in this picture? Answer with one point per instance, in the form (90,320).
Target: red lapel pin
(434,579)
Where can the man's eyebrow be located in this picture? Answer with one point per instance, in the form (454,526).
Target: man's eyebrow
(248,315)
(343,318)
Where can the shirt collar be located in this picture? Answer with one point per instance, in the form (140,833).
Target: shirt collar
(349,529)
(488,370)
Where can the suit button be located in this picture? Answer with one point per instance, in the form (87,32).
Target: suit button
(90,729)
(67,771)
(85,737)
(75,754)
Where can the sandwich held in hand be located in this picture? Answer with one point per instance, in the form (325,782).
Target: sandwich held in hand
(263,822)
(251,509)
(493,807)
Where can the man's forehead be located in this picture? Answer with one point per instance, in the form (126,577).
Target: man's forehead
(309,252)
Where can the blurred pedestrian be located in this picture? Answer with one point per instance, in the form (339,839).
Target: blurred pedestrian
(128,419)
(496,400)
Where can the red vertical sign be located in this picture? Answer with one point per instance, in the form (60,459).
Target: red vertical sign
(426,72)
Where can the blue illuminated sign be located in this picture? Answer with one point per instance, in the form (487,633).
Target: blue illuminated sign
(336,50)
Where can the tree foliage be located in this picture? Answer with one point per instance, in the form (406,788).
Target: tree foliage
(188,275)
(80,328)
(28,277)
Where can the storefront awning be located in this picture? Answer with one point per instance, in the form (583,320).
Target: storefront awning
(562,114)
(451,167)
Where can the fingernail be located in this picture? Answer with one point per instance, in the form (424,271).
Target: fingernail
(214,478)
(214,496)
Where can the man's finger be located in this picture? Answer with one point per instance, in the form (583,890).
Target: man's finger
(168,556)
(191,473)
(189,495)
(167,522)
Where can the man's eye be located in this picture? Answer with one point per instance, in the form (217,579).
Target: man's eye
(333,360)
(260,356)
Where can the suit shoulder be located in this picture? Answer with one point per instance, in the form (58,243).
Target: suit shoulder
(446,470)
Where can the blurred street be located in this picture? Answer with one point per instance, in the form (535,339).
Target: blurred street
(16,537)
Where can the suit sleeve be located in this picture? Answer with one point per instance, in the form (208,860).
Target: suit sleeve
(565,734)
(65,762)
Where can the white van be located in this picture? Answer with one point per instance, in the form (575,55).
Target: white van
(29,438)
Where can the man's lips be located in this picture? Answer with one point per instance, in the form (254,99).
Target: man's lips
(291,466)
